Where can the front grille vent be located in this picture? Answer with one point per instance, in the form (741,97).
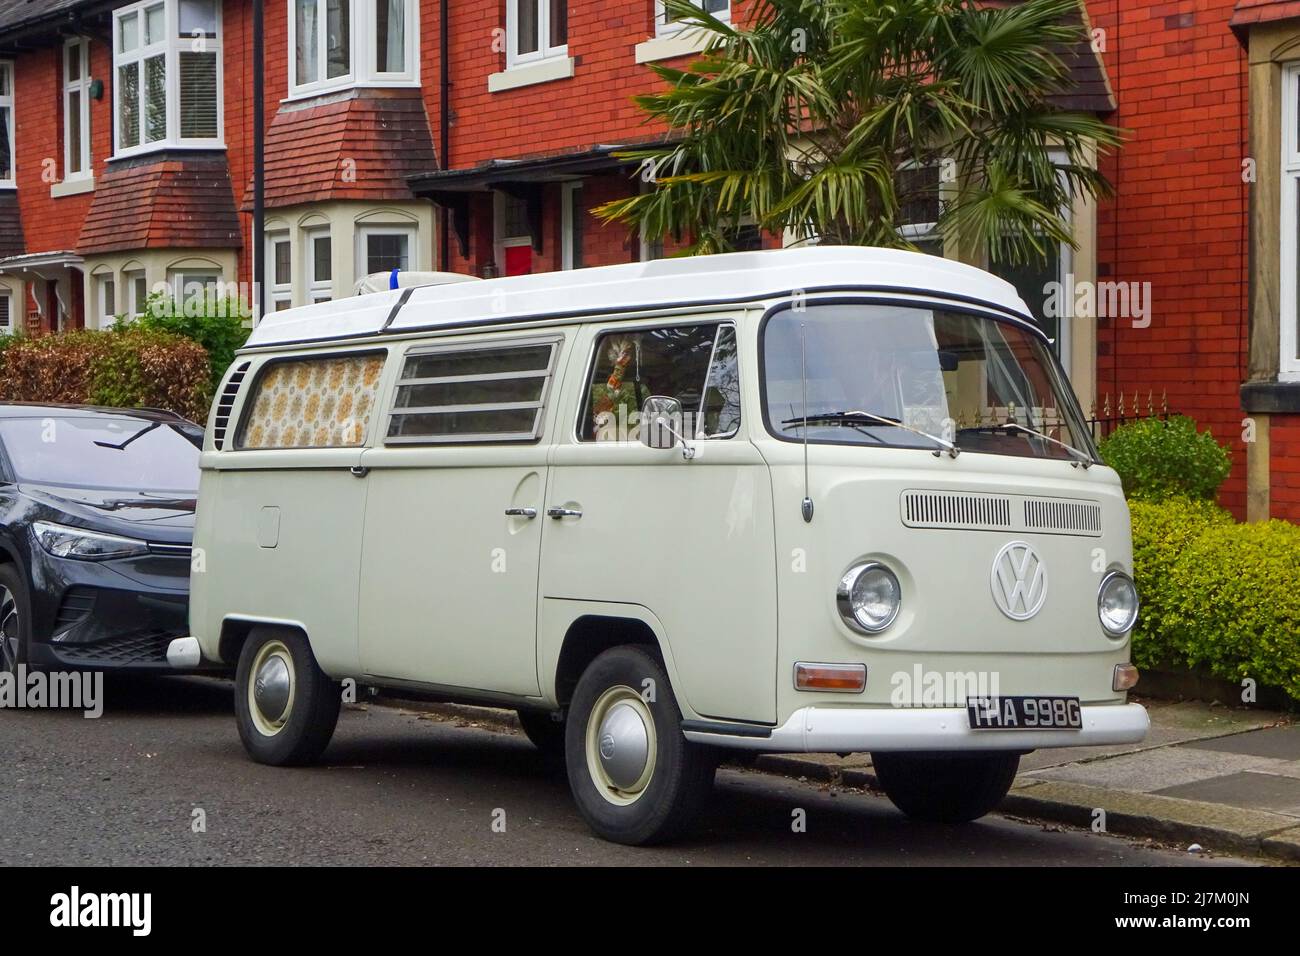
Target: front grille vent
(938,509)
(980,511)
(1057,516)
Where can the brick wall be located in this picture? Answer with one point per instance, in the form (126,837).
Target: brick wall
(1180,217)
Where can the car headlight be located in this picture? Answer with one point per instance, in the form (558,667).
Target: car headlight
(1117,603)
(64,542)
(869,597)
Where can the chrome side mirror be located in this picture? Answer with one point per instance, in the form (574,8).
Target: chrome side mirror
(661,425)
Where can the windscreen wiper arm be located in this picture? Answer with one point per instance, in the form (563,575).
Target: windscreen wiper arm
(1081,457)
(858,417)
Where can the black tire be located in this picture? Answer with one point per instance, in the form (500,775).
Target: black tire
(15,619)
(675,785)
(945,787)
(546,733)
(302,731)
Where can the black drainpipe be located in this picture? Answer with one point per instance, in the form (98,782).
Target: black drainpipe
(259,159)
(444,124)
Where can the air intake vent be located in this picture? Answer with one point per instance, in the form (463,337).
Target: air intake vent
(977,511)
(1058,516)
(224,405)
(77,604)
(940,509)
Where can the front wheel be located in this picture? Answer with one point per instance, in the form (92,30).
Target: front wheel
(15,619)
(945,787)
(285,706)
(635,778)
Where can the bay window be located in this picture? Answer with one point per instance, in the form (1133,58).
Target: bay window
(339,43)
(536,30)
(6,125)
(384,248)
(76,109)
(6,312)
(167,67)
(279,270)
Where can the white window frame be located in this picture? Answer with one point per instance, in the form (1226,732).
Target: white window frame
(7,103)
(665,27)
(107,314)
(570,241)
(7,296)
(318,289)
(544,50)
(131,289)
(171,47)
(82,86)
(363,49)
(410,230)
(177,279)
(278,292)
(1289,299)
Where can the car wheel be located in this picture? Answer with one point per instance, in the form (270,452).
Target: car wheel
(635,778)
(285,706)
(15,619)
(546,733)
(945,787)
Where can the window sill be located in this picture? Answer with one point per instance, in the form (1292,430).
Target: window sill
(167,147)
(341,90)
(530,74)
(667,46)
(1271,398)
(73,187)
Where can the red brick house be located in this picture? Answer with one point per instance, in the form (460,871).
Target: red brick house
(126,166)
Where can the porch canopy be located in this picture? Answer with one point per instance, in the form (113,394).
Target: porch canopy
(522,178)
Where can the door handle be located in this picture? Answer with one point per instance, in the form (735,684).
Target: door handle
(521,513)
(558,513)
(359,471)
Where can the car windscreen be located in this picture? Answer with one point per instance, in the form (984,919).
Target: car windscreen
(108,452)
(902,376)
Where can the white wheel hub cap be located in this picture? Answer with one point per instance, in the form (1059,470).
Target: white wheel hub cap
(621,745)
(271,687)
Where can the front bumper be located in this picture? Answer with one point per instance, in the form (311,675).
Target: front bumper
(862,729)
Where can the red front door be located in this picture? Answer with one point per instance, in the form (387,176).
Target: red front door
(519,260)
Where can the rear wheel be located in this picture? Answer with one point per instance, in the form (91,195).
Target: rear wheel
(945,787)
(285,706)
(15,619)
(635,778)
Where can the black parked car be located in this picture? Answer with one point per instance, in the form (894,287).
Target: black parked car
(96,526)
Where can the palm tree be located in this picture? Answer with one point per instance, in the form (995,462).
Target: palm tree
(808,118)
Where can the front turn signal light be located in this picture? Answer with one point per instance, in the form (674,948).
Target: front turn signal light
(1126,677)
(836,678)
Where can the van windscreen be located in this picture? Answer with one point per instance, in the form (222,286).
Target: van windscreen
(889,375)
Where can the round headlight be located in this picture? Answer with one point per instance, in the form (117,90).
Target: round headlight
(869,597)
(1117,603)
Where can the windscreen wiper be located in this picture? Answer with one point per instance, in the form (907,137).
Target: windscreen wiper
(860,417)
(1081,457)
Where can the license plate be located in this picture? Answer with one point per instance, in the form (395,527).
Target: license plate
(1024,713)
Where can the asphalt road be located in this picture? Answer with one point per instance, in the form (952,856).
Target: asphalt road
(397,787)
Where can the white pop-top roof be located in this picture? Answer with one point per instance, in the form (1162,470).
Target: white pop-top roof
(638,286)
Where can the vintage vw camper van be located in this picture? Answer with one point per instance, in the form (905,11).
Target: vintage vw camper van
(824,500)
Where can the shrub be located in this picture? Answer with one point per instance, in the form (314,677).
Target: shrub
(1162,531)
(1238,611)
(216,323)
(1159,458)
(125,367)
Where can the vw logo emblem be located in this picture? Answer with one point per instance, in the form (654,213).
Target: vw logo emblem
(1019,581)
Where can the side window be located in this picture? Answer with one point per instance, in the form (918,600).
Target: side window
(695,364)
(482,392)
(313,403)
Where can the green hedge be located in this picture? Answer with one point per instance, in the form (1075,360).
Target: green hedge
(122,367)
(1158,458)
(216,323)
(1217,595)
